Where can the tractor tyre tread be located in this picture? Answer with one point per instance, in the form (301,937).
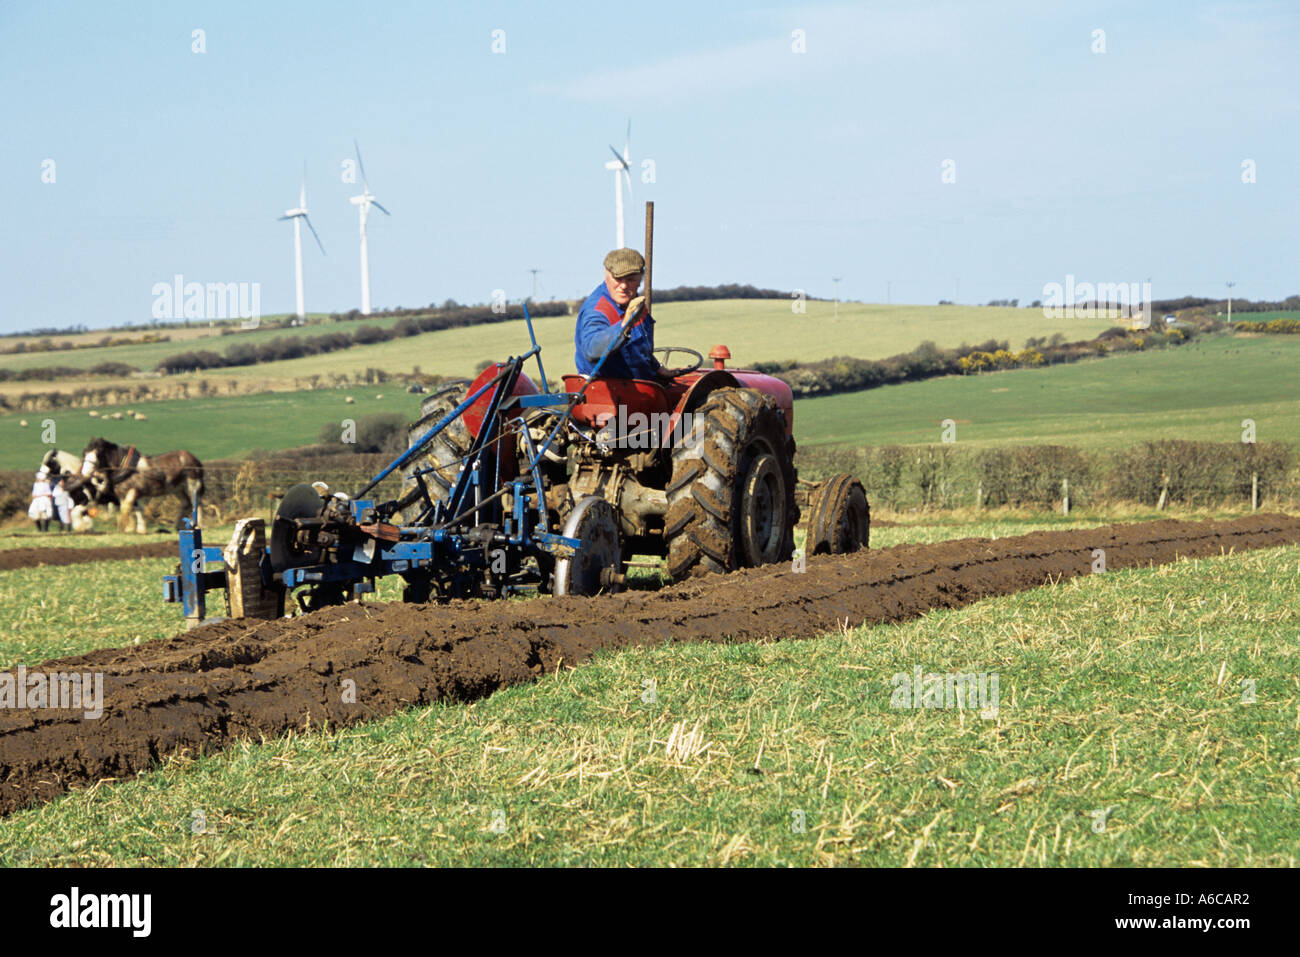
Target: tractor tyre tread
(446,449)
(728,431)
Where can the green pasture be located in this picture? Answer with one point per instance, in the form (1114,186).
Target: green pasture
(1264,316)
(1202,390)
(219,427)
(145,356)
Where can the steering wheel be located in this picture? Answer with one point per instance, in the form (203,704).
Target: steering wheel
(669,350)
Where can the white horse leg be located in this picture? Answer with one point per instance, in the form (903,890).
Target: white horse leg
(81,520)
(128,507)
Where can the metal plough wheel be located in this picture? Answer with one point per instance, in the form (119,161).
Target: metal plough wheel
(597,566)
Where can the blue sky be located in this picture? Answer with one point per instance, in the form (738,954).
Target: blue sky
(772,167)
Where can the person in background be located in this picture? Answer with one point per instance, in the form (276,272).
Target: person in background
(62,504)
(42,507)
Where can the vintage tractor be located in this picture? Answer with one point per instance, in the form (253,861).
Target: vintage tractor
(698,470)
(510,487)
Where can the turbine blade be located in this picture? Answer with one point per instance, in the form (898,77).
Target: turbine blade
(380,208)
(313,232)
(360,165)
(619,158)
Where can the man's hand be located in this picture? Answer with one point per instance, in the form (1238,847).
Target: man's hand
(634,310)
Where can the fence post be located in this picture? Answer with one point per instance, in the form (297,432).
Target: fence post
(1254,491)
(979,495)
(1065,494)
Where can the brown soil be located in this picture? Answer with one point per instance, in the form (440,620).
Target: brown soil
(203,689)
(12,558)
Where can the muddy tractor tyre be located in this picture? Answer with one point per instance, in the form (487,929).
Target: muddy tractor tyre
(839,519)
(731,496)
(443,453)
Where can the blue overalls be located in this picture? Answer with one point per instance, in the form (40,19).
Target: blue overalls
(598,326)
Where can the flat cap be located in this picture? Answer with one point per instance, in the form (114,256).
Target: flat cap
(624,262)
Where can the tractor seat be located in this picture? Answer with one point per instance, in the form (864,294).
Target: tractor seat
(604,396)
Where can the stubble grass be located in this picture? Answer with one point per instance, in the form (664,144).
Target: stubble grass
(1123,702)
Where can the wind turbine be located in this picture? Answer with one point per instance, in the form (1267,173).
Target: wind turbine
(298,215)
(621,164)
(363,204)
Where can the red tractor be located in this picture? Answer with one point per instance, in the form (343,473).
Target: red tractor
(511,489)
(698,469)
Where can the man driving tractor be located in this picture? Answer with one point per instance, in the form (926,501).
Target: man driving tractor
(613,305)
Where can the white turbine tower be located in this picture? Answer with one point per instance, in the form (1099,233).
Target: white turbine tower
(298,215)
(363,204)
(621,166)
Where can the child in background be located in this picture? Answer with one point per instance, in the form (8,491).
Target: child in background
(42,507)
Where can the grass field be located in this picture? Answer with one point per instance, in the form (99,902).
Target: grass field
(21,534)
(755,330)
(211,428)
(1123,737)
(1202,390)
(145,356)
(1264,316)
(197,329)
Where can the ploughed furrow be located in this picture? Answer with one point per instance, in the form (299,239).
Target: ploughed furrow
(203,689)
(11,558)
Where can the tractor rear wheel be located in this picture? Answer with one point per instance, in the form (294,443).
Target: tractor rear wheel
(444,451)
(731,496)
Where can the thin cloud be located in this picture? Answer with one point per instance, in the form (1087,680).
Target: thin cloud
(726,70)
(836,38)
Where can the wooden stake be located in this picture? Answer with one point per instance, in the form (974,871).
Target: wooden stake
(649,250)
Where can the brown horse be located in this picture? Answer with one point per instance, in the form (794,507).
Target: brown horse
(132,476)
